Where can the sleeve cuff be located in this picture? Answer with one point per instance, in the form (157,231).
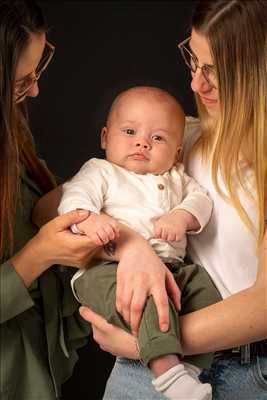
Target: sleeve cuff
(202,220)
(14,296)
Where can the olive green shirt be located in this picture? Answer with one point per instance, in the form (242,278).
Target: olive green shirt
(40,327)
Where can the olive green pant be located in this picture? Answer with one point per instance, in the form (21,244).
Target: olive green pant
(97,289)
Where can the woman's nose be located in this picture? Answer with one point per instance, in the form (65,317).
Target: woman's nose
(199,83)
(34,90)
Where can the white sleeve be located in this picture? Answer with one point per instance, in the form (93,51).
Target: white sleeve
(195,200)
(87,188)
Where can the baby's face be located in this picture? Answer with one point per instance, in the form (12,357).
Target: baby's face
(143,134)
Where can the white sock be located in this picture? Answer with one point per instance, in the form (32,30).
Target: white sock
(178,384)
(193,370)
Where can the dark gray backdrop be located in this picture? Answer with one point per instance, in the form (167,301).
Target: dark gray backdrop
(102,47)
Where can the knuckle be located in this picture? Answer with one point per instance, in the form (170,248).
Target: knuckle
(163,301)
(136,307)
(126,303)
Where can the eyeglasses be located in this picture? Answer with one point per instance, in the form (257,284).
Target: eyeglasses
(192,63)
(22,86)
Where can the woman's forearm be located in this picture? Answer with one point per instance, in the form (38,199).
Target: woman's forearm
(29,264)
(237,320)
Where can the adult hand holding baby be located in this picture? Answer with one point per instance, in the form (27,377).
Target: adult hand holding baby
(54,244)
(137,281)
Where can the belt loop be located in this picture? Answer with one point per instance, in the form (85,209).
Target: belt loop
(245,354)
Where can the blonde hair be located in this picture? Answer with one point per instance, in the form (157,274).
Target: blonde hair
(237,34)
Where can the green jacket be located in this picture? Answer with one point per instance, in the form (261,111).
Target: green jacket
(40,327)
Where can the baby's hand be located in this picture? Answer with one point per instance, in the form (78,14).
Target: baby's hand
(173,226)
(99,228)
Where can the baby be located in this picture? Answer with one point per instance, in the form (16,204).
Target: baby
(142,184)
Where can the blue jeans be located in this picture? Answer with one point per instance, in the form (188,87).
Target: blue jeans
(230,380)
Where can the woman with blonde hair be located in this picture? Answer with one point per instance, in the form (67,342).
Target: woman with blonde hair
(226,152)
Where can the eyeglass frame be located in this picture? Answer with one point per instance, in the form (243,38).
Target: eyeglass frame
(21,95)
(205,68)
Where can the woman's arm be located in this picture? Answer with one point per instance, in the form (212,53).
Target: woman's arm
(54,244)
(204,330)
(243,316)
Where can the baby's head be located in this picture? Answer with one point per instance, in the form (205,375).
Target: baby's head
(144,130)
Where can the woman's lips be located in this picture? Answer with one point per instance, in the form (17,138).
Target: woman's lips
(207,101)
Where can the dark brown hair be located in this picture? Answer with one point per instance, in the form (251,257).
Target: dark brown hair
(18,19)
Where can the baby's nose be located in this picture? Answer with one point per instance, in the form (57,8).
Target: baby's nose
(142,144)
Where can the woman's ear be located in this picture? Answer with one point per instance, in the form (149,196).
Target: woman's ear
(104,138)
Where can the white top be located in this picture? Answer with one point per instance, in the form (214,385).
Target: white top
(136,200)
(226,248)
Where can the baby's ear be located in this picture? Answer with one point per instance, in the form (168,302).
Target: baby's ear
(179,154)
(104,138)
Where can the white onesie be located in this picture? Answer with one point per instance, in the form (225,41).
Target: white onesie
(135,199)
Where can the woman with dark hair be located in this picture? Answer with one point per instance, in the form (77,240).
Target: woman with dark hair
(226,152)
(37,353)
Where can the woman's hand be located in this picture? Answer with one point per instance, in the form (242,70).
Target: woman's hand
(110,338)
(62,246)
(140,274)
(54,244)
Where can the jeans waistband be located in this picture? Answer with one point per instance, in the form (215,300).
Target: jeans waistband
(247,353)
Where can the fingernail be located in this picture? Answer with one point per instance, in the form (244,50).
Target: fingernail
(164,327)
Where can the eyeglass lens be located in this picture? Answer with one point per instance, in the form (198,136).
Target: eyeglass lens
(46,57)
(192,62)
(29,81)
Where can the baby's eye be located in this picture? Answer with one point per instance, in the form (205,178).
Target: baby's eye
(129,131)
(157,138)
